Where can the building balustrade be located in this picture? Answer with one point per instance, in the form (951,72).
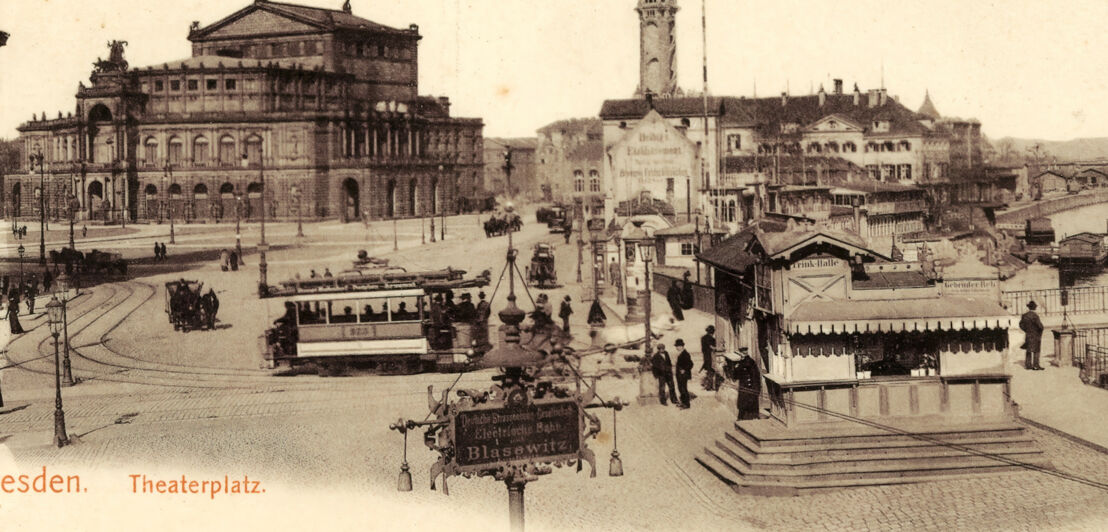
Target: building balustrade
(892,207)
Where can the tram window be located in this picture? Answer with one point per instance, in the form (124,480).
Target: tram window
(367,314)
(343,311)
(309,314)
(406,308)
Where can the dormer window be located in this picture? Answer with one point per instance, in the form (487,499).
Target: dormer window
(880,125)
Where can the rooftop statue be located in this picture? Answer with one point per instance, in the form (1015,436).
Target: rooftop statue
(115,62)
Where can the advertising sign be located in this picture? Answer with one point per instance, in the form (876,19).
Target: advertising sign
(539,432)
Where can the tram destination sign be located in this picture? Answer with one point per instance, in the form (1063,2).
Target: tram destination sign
(539,432)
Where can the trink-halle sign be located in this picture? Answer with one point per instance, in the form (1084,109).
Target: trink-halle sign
(539,432)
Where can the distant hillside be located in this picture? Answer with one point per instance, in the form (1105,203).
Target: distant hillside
(1069,150)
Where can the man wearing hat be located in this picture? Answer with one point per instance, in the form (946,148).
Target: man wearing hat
(564,312)
(707,350)
(483,310)
(465,312)
(684,372)
(749,379)
(1032,328)
(662,368)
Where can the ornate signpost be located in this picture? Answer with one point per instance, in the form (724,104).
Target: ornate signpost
(525,423)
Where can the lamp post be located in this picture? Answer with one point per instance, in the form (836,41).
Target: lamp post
(167,178)
(436,204)
(61,285)
(238,232)
(645,249)
(54,315)
(21,250)
(296,195)
(72,213)
(36,158)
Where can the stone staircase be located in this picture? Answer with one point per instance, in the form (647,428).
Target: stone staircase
(764,457)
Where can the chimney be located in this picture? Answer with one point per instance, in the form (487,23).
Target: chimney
(784,99)
(882,96)
(838,87)
(444,102)
(873,97)
(857,96)
(822,96)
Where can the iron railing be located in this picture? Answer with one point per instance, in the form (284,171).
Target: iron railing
(1082,300)
(1094,366)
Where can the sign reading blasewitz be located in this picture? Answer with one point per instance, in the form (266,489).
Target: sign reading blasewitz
(540,432)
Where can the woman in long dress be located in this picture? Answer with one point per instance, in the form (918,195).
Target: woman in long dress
(13,313)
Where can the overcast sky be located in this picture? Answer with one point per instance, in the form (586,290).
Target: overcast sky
(1026,68)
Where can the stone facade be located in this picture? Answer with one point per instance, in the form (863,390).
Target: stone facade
(320,105)
(568,150)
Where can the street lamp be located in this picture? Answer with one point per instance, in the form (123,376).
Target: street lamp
(296,195)
(54,315)
(435,203)
(36,158)
(72,213)
(21,250)
(645,245)
(167,178)
(238,232)
(61,285)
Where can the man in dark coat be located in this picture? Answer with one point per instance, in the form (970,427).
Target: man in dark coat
(1032,328)
(749,379)
(157,251)
(662,368)
(707,350)
(564,312)
(684,372)
(483,309)
(465,312)
(13,312)
(673,297)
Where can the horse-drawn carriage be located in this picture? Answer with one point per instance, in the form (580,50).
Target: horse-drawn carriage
(541,271)
(502,224)
(188,308)
(93,262)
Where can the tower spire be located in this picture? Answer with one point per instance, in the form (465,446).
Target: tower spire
(657,47)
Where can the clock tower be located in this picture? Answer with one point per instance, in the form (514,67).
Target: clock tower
(657,47)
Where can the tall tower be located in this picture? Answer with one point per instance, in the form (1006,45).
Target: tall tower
(657,47)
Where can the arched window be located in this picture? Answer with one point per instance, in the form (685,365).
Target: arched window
(227,191)
(254,150)
(200,150)
(849,147)
(254,190)
(814,148)
(832,147)
(174,191)
(594,181)
(175,150)
(150,154)
(888,146)
(905,146)
(151,190)
(578,181)
(227,155)
(200,191)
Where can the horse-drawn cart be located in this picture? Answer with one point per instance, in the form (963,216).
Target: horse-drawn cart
(541,271)
(187,308)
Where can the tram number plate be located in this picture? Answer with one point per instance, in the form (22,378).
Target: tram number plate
(357,332)
(536,433)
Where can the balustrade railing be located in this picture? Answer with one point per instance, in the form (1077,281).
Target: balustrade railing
(1082,300)
(1094,365)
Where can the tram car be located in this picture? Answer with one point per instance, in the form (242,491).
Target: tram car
(381,321)
(541,272)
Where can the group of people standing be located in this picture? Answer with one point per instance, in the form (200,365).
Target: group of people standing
(15,293)
(159,251)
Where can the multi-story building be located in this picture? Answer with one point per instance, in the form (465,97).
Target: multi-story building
(567,149)
(296,108)
(523,167)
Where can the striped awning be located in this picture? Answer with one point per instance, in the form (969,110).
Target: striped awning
(900,315)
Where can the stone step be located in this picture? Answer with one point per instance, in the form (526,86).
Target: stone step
(798,454)
(753,487)
(906,459)
(905,468)
(848,436)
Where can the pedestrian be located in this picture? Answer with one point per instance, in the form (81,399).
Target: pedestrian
(327,273)
(157,251)
(614,277)
(564,313)
(1032,328)
(224,260)
(662,368)
(84,231)
(465,312)
(32,292)
(165,252)
(313,274)
(567,229)
(749,380)
(13,313)
(684,372)
(707,350)
(483,309)
(673,297)
(47,281)
(235,261)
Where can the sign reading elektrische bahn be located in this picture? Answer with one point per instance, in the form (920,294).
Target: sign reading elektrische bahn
(539,432)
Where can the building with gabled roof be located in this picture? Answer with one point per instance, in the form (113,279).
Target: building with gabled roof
(283,109)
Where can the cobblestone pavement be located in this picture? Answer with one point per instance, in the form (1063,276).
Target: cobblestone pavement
(160,402)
